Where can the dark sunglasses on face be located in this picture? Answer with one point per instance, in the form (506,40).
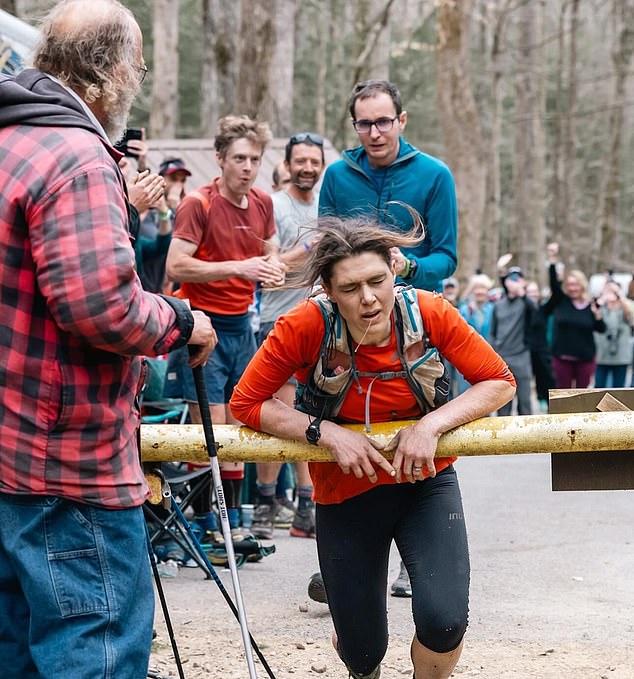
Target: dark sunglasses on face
(302,137)
(383,125)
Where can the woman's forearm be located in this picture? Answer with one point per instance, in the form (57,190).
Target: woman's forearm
(280,420)
(479,400)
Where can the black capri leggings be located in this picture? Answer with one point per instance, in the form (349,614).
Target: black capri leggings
(426,521)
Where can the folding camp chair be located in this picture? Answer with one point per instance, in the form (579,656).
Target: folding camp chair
(185,486)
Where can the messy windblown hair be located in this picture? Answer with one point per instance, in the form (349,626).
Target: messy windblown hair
(336,239)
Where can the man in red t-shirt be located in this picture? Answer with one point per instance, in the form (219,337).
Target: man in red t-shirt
(221,247)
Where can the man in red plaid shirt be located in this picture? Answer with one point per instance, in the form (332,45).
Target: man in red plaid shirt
(75,589)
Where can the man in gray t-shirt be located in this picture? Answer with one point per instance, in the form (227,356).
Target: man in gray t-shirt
(291,215)
(294,209)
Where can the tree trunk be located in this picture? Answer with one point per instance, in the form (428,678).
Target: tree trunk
(280,96)
(164,108)
(608,204)
(378,65)
(370,22)
(529,144)
(570,225)
(257,42)
(221,22)
(493,39)
(325,33)
(461,127)
(558,208)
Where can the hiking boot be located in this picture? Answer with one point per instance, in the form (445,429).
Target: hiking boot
(402,587)
(285,513)
(303,525)
(264,521)
(316,589)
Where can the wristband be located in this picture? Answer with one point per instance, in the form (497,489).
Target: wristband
(163,216)
(408,266)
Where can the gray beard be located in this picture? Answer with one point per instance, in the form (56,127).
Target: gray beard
(116,119)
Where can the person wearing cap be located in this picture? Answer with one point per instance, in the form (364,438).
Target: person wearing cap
(511,323)
(175,173)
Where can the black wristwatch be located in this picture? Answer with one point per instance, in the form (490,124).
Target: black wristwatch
(313,432)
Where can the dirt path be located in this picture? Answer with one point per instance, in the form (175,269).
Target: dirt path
(552,593)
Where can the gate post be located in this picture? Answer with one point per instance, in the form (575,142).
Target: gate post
(611,470)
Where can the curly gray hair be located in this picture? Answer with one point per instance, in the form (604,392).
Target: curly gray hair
(91,48)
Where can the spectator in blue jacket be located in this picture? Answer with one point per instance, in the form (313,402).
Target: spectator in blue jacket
(386,174)
(384,178)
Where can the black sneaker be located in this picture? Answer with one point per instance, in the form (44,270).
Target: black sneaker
(316,589)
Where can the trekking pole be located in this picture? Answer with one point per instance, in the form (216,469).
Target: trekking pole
(203,405)
(164,607)
(211,572)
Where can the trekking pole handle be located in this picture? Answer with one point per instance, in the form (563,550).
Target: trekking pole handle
(203,405)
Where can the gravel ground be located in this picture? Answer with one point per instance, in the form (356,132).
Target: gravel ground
(552,594)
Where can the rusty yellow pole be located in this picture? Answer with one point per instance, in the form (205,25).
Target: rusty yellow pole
(579,432)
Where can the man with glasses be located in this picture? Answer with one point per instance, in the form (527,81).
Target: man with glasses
(294,209)
(381,178)
(386,174)
(76,594)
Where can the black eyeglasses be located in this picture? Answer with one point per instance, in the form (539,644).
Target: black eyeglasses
(143,69)
(382,125)
(302,137)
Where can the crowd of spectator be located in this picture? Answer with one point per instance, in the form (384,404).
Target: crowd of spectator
(559,336)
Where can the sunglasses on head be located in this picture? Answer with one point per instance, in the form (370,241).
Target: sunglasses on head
(311,137)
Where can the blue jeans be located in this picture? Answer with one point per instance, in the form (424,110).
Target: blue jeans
(76,594)
(604,372)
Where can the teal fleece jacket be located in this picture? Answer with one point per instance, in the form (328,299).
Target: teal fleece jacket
(414,178)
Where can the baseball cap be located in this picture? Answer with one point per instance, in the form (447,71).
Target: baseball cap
(171,165)
(514,273)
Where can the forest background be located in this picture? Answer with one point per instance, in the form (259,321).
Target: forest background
(530,102)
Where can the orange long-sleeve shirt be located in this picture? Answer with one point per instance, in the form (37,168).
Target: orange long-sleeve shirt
(293,348)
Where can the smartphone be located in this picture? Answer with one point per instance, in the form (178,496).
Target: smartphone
(122,145)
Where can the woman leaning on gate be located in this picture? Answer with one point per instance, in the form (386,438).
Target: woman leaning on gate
(367,351)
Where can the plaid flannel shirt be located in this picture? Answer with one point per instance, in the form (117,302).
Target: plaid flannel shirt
(74,321)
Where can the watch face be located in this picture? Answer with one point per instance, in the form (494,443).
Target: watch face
(313,434)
